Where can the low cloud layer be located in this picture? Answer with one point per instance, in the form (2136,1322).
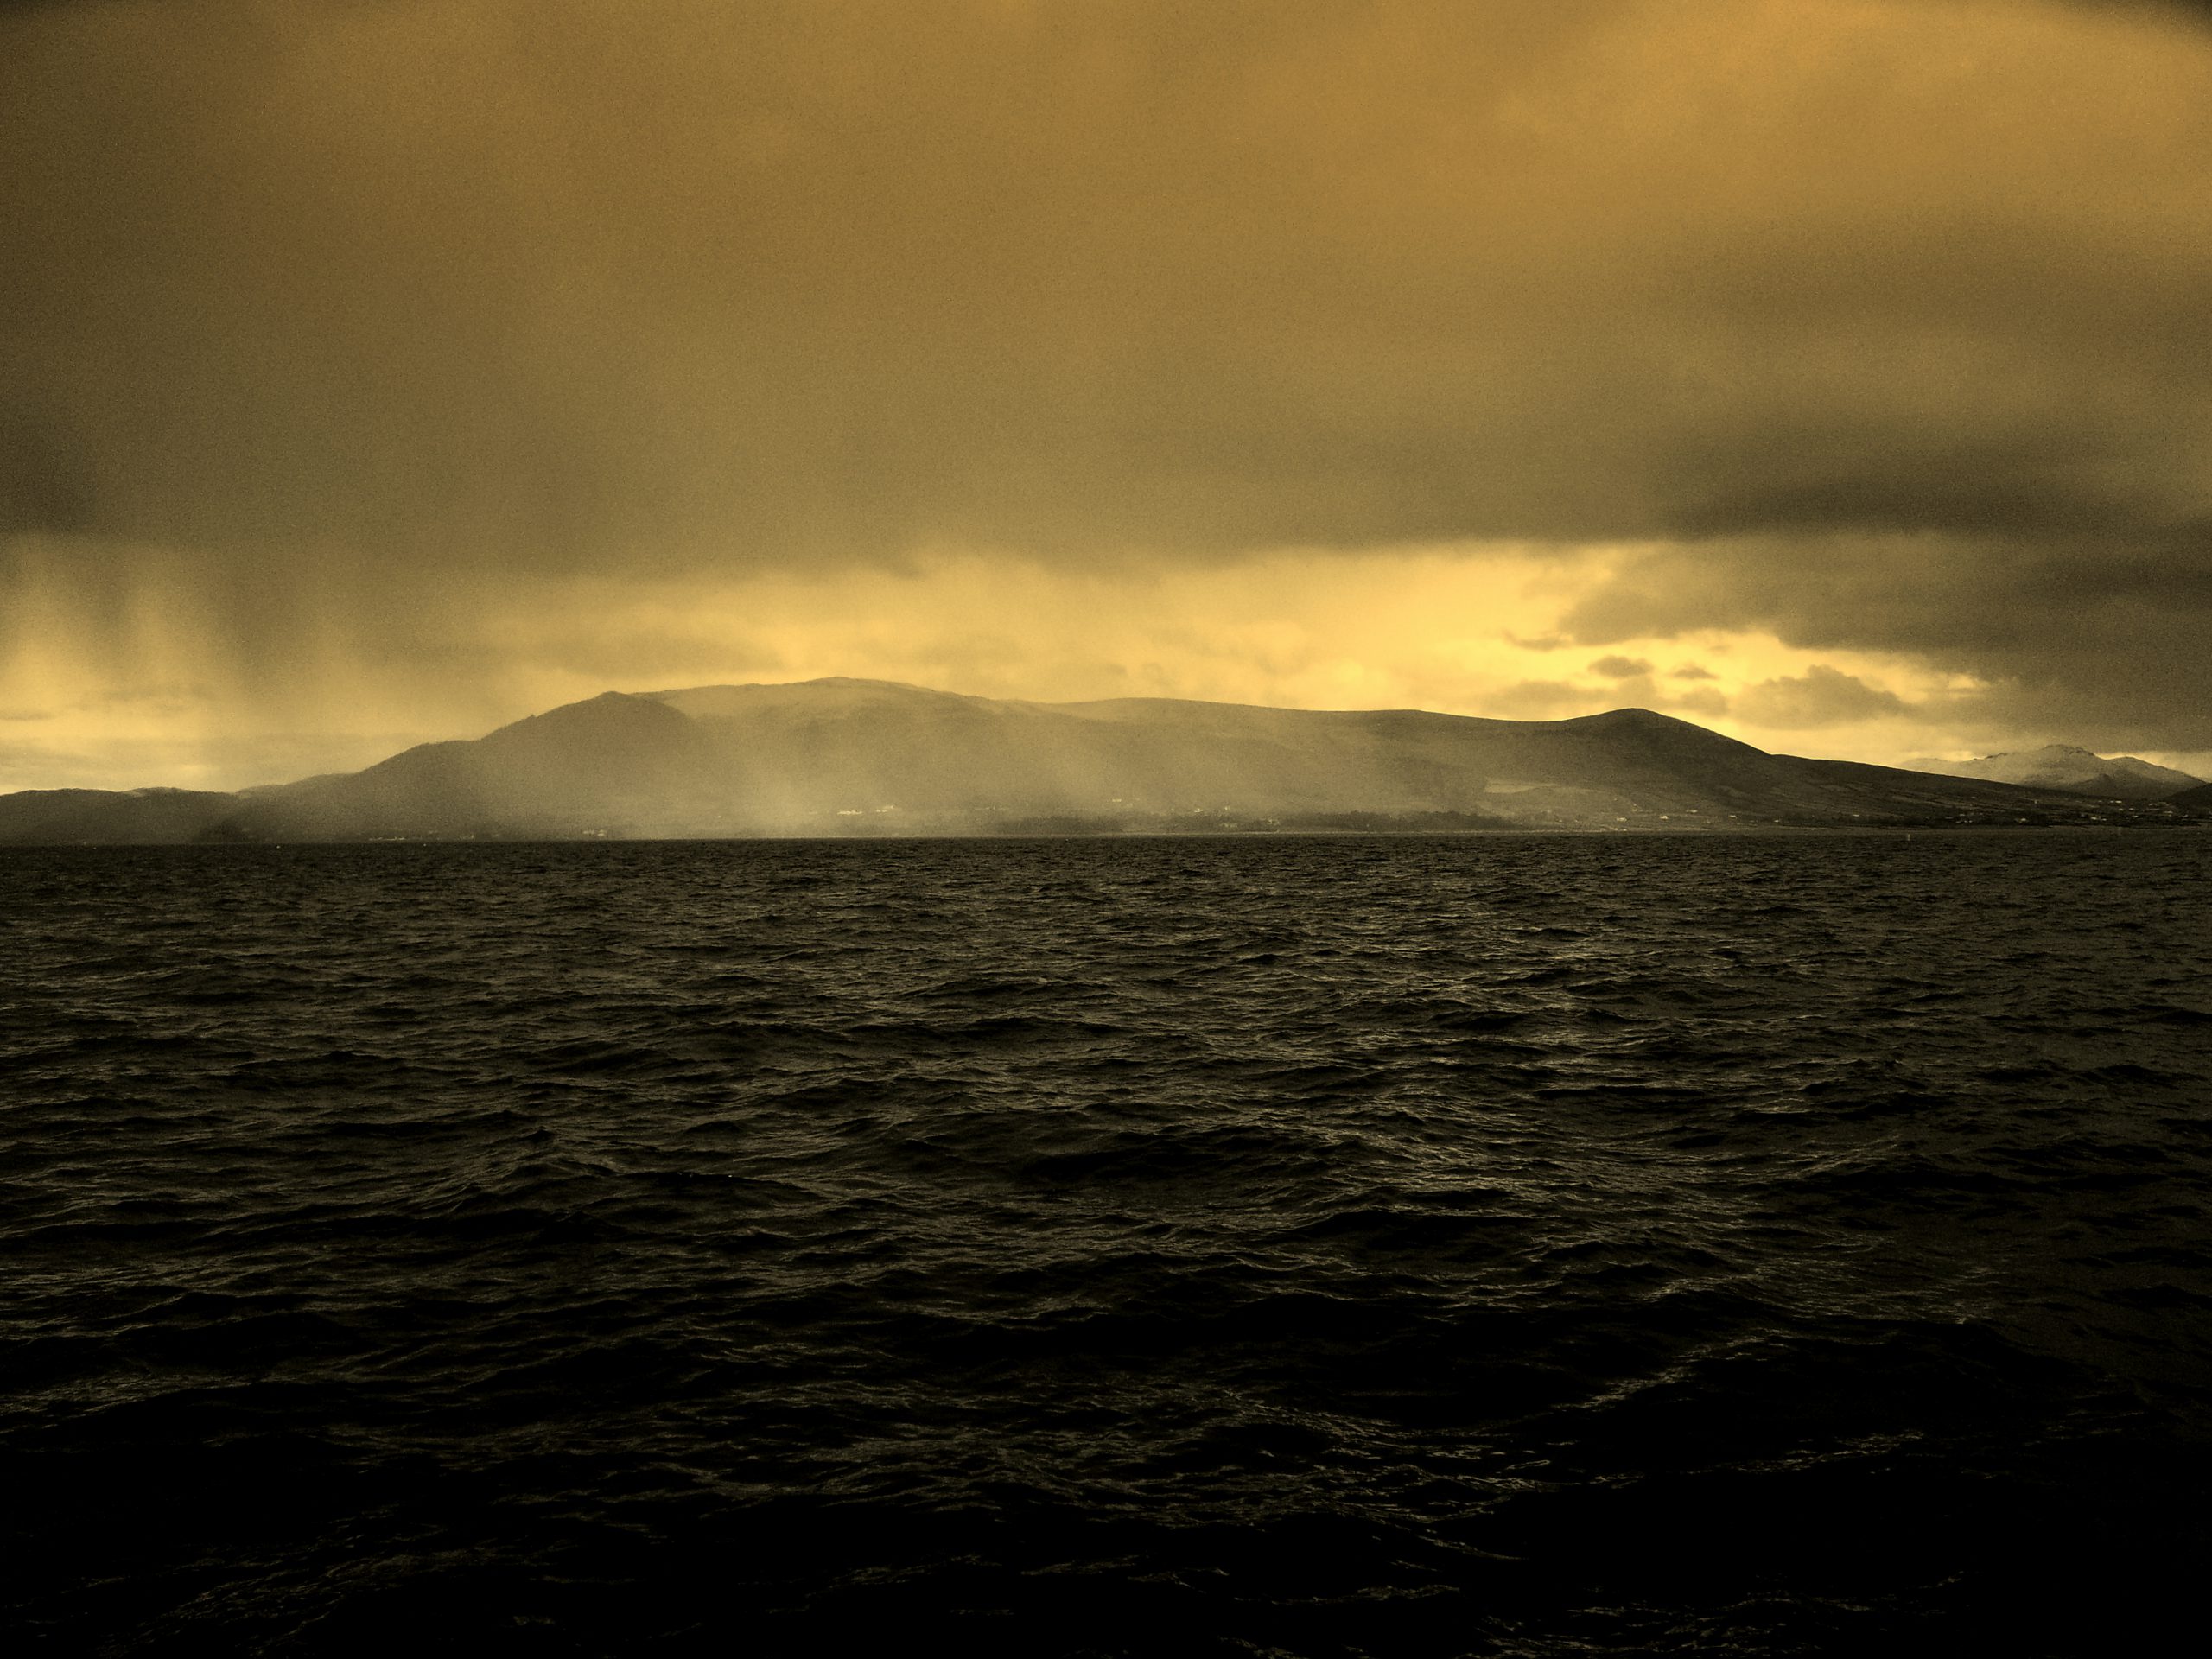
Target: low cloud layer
(333,338)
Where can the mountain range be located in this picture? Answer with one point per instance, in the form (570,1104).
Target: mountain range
(2062,765)
(865,757)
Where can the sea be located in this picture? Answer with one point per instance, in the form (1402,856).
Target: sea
(1480,1244)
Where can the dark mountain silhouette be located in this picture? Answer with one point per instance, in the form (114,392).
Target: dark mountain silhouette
(616,759)
(865,757)
(2077,771)
(112,816)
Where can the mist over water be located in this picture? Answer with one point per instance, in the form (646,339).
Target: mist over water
(1504,1244)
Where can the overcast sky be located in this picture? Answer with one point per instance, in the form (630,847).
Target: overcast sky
(1834,372)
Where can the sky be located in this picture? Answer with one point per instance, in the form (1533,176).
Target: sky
(1834,373)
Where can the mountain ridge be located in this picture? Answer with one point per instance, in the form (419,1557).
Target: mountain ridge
(847,756)
(2073,769)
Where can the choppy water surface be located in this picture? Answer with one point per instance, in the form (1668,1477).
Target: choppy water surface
(1499,1244)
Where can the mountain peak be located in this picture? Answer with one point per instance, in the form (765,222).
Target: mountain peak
(833,694)
(1647,717)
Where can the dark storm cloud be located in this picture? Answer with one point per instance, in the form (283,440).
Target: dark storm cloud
(1889,316)
(805,281)
(1620,668)
(2106,634)
(44,486)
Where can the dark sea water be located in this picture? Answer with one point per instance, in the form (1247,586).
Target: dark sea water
(1507,1244)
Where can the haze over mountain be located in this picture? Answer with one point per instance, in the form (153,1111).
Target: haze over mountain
(864,757)
(2082,771)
